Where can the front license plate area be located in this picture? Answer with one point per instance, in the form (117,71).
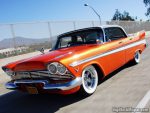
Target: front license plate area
(32,90)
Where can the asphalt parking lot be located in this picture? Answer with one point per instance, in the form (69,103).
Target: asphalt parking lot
(126,87)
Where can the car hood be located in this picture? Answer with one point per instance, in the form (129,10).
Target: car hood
(42,59)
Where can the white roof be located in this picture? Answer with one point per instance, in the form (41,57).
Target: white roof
(106,26)
(102,27)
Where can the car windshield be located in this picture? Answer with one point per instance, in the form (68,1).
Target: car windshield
(78,38)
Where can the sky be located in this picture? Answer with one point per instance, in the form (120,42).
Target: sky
(13,11)
(28,14)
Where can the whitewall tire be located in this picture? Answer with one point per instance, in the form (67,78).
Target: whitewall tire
(89,80)
(137,57)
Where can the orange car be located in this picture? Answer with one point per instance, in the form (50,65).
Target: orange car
(77,62)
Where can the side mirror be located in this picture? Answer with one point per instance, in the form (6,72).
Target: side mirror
(109,40)
(42,50)
(99,41)
(50,50)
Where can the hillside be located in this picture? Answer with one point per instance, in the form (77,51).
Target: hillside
(21,41)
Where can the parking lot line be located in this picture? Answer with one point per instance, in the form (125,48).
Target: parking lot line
(143,102)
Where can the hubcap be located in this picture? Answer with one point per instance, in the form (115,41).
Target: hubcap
(89,79)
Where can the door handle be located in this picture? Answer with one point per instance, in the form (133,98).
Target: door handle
(120,42)
(131,38)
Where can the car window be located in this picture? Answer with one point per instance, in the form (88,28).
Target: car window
(79,39)
(64,42)
(114,33)
(89,36)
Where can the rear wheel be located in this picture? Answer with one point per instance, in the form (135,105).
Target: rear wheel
(137,58)
(89,80)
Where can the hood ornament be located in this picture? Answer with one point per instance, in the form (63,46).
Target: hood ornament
(42,50)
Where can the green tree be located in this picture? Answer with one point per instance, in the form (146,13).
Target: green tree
(125,16)
(117,15)
(147,4)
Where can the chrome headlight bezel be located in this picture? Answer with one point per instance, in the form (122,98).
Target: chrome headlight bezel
(49,67)
(10,72)
(59,68)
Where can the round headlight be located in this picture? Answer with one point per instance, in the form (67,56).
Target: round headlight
(52,68)
(9,72)
(56,68)
(61,69)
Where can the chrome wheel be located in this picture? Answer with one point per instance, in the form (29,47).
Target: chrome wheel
(137,57)
(89,80)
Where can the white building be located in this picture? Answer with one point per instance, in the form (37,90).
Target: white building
(10,51)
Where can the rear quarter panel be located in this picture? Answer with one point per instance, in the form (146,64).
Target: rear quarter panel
(139,37)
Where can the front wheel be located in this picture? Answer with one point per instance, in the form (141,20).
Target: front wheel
(89,80)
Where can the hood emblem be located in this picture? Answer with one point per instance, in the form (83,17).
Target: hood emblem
(60,56)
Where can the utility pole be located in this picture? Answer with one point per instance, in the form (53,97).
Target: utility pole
(94,12)
(13,35)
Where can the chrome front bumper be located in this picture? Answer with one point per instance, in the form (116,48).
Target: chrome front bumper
(47,86)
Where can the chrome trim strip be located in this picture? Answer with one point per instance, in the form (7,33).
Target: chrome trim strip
(47,86)
(76,63)
(104,35)
(30,82)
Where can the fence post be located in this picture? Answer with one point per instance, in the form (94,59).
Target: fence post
(50,33)
(92,23)
(13,35)
(74,25)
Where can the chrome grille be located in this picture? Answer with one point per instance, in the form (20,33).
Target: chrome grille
(40,74)
(22,75)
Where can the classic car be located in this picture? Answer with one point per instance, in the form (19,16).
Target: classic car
(79,60)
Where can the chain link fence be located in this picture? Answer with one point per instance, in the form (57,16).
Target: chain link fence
(22,38)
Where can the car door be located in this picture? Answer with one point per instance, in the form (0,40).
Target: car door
(115,37)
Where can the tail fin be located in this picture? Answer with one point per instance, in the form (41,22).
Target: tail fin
(141,34)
